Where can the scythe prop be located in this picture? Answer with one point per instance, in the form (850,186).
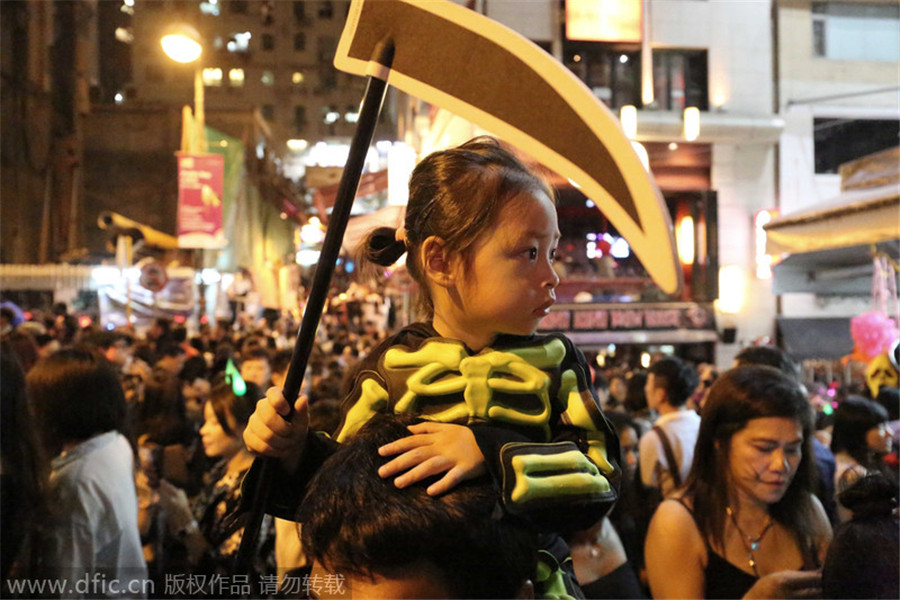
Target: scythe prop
(490,75)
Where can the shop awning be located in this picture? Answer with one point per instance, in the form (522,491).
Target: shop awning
(855,218)
(830,247)
(835,272)
(818,338)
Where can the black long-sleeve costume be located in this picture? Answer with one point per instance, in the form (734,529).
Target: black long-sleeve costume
(529,403)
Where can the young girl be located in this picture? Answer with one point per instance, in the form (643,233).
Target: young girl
(481,236)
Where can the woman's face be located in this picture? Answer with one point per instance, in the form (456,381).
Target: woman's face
(764,457)
(878,439)
(217,443)
(628,442)
(195,395)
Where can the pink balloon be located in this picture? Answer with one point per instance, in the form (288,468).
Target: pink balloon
(873,333)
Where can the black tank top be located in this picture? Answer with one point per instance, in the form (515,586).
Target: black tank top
(723,580)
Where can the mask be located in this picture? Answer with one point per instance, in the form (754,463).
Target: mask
(881,372)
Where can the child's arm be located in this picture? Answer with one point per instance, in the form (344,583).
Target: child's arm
(300,450)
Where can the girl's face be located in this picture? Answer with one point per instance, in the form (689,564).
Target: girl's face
(509,284)
(764,457)
(878,439)
(217,443)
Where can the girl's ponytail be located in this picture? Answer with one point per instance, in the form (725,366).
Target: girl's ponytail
(379,248)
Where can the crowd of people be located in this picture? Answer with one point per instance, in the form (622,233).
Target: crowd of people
(462,456)
(123,453)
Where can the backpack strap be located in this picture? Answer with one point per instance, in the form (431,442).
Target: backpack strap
(674,467)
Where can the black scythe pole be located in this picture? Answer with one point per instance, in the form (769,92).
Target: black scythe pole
(315,303)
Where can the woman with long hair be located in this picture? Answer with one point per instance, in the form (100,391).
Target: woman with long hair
(747,524)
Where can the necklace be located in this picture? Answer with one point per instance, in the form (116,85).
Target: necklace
(751,544)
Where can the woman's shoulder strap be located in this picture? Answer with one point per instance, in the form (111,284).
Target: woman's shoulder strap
(688,506)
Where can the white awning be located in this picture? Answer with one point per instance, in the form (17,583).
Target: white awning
(857,217)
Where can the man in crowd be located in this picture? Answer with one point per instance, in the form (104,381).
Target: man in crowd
(667,450)
(256,367)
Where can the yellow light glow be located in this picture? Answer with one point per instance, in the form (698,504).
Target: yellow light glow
(685,240)
(297,145)
(212,76)
(628,118)
(312,232)
(297,78)
(731,290)
(182,44)
(691,123)
(604,20)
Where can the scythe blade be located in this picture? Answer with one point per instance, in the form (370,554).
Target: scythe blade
(490,75)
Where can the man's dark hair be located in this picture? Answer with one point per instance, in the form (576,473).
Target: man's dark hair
(281,360)
(179,334)
(635,399)
(675,376)
(355,522)
(194,368)
(258,353)
(770,356)
(169,348)
(105,339)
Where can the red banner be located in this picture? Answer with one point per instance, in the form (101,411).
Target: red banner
(200,184)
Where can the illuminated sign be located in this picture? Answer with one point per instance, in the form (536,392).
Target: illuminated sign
(617,317)
(604,20)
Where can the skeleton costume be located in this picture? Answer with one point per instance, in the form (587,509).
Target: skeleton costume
(528,402)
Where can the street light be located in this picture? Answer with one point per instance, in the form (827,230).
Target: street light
(183,44)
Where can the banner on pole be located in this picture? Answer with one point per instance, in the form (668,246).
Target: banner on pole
(200,184)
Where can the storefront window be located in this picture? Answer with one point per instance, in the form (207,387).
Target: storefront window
(841,140)
(612,72)
(680,79)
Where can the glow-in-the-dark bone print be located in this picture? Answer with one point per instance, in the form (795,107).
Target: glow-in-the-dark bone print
(544,475)
(445,368)
(372,400)
(578,414)
(550,576)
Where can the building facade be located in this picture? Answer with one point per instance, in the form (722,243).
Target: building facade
(271,56)
(839,94)
(719,58)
